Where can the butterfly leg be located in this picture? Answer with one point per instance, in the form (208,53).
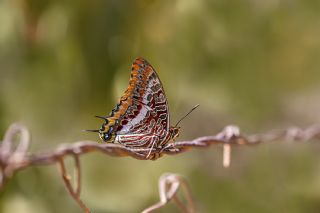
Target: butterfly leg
(155,140)
(170,146)
(148,140)
(174,145)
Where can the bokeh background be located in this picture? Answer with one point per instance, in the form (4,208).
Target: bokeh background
(253,63)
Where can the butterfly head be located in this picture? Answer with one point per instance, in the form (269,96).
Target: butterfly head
(106,133)
(174,132)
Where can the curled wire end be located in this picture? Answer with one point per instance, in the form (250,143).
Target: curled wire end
(13,158)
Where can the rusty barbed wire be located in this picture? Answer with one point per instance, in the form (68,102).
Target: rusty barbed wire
(13,159)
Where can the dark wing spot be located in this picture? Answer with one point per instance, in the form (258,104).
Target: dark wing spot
(136,90)
(153,113)
(131,116)
(153,75)
(163,116)
(119,128)
(158,86)
(148,114)
(142,65)
(149,97)
(124,122)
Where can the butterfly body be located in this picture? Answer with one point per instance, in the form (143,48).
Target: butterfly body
(141,118)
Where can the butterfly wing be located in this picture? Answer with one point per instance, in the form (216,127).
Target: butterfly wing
(142,113)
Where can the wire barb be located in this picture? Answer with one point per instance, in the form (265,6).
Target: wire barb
(74,192)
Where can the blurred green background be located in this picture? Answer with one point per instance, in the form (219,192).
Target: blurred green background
(253,63)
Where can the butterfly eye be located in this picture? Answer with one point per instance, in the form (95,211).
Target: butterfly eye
(106,137)
(175,132)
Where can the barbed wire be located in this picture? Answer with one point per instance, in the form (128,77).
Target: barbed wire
(15,158)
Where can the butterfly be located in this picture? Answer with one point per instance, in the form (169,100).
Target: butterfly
(141,118)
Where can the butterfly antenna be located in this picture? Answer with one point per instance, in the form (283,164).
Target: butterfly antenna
(91,130)
(102,117)
(195,107)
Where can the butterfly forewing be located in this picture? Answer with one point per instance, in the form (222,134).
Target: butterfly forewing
(141,118)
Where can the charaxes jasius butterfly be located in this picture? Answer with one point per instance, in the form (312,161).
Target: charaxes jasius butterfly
(141,118)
